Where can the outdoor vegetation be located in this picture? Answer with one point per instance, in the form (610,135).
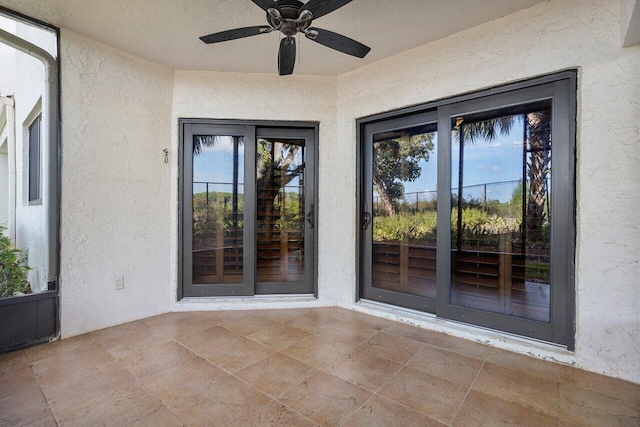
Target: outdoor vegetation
(13,268)
(277,166)
(397,161)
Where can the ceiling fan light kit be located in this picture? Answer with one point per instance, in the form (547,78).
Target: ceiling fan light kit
(291,17)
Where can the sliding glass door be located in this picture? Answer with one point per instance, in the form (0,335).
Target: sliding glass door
(467,209)
(399,211)
(248,199)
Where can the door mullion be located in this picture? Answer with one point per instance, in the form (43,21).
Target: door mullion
(250,215)
(443,254)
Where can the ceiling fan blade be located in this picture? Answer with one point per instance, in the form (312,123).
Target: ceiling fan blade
(287,56)
(267,4)
(321,7)
(237,33)
(338,42)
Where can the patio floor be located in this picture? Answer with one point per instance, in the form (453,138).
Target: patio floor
(298,367)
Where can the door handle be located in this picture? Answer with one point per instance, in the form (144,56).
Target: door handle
(366,218)
(310,217)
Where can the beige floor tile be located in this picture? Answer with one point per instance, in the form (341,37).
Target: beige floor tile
(181,326)
(283,315)
(528,364)
(207,341)
(391,347)
(163,417)
(585,407)
(382,412)
(364,369)
(373,322)
(173,384)
(120,407)
(149,361)
(325,399)
(279,336)
(276,374)
(48,421)
(410,332)
(317,351)
(314,322)
(16,379)
(519,387)
(77,388)
(446,364)
(239,354)
(247,325)
(24,407)
(275,414)
(67,345)
(601,384)
(85,385)
(166,318)
(226,403)
(426,393)
(349,332)
(462,346)
(121,330)
(53,368)
(480,409)
(221,316)
(139,340)
(12,360)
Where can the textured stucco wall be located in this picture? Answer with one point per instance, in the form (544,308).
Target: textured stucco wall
(549,37)
(116,114)
(216,95)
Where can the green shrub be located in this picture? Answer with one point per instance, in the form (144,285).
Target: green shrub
(13,268)
(403,227)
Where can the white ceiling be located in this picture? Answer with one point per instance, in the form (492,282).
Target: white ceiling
(167,31)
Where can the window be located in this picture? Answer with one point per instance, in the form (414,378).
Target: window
(468,208)
(34,161)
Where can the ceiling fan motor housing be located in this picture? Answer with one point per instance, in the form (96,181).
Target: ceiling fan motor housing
(290,12)
(289,8)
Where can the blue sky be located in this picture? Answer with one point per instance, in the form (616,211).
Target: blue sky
(215,164)
(485,161)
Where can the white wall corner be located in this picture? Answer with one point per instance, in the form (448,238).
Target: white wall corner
(630,22)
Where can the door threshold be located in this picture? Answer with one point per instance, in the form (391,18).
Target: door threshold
(253,298)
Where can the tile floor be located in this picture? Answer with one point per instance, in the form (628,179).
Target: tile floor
(299,367)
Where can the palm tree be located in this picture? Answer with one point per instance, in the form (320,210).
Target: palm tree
(537,140)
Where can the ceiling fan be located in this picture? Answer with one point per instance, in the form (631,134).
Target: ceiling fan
(291,17)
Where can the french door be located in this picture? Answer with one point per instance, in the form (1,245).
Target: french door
(467,208)
(247,209)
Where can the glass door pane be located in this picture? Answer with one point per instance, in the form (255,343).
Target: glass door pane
(404,211)
(218,209)
(501,204)
(281,213)
(400,212)
(285,214)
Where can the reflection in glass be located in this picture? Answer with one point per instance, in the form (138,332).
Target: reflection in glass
(501,175)
(280,189)
(404,211)
(218,209)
